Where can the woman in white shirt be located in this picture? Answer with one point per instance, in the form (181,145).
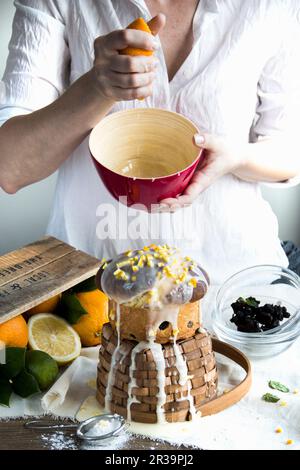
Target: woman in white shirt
(231,66)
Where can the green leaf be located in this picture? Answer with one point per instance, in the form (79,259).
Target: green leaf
(251,301)
(5,392)
(14,362)
(86,286)
(25,385)
(278,386)
(270,398)
(70,308)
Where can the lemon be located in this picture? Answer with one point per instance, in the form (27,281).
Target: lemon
(54,336)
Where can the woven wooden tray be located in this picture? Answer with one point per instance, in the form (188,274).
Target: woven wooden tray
(198,352)
(39,271)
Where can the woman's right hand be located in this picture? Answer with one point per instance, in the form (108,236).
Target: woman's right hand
(123,77)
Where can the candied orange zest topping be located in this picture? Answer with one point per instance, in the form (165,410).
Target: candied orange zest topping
(140,263)
(123,263)
(163,257)
(193,282)
(121,275)
(153,246)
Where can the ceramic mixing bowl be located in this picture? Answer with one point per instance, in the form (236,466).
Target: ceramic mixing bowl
(145,155)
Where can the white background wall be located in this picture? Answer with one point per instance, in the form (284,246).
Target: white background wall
(23,217)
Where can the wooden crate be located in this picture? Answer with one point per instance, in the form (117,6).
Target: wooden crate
(39,271)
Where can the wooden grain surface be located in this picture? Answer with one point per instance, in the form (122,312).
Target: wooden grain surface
(13,436)
(39,271)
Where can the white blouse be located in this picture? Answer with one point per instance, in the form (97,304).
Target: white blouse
(241,80)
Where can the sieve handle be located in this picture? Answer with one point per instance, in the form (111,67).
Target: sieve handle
(42,425)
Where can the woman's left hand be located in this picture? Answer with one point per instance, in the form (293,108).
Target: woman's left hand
(219,158)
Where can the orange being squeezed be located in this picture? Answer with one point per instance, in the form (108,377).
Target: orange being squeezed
(141,25)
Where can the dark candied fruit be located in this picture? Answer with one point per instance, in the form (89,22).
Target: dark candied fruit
(265,318)
(164,325)
(250,317)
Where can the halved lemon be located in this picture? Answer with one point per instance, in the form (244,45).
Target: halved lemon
(53,335)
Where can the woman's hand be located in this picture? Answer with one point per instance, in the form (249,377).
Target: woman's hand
(219,158)
(123,77)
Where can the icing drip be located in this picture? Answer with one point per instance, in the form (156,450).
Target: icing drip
(132,380)
(170,313)
(118,324)
(180,364)
(111,374)
(190,398)
(200,314)
(183,372)
(159,359)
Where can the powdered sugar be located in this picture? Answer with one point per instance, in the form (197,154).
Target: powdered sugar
(59,441)
(62,441)
(115,443)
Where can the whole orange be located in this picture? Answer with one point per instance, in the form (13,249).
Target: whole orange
(89,326)
(48,306)
(14,332)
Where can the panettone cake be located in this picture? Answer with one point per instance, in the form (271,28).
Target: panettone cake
(156,361)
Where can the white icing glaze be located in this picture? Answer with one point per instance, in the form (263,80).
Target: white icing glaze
(159,359)
(151,268)
(132,380)
(118,324)
(184,377)
(200,314)
(180,365)
(167,430)
(168,314)
(190,398)
(111,374)
(160,310)
(91,407)
(201,330)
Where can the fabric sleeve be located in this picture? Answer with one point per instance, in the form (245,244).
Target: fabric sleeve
(37,69)
(278,109)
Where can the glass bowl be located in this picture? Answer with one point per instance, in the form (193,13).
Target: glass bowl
(268,284)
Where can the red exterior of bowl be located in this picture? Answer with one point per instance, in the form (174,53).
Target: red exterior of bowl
(155,126)
(145,191)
